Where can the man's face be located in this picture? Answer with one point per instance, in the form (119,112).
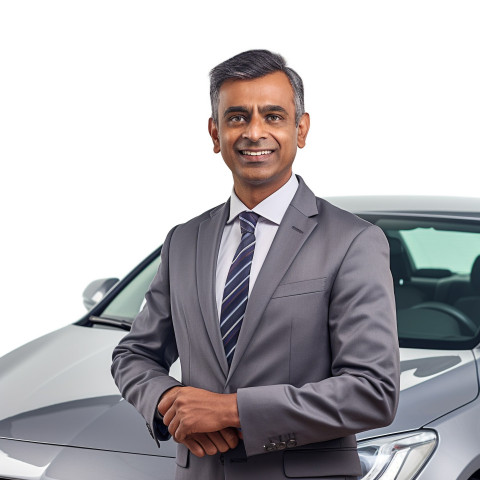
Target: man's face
(256,131)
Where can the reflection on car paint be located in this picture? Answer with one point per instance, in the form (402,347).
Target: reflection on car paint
(427,367)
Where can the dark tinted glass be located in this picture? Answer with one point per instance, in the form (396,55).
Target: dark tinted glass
(436,279)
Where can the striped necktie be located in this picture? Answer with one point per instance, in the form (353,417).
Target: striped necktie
(235,295)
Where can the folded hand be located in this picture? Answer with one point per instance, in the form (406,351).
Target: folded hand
(200,419)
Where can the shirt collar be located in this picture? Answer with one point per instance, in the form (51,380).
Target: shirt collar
(273,208)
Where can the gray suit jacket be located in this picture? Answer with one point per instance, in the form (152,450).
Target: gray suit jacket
(317,356)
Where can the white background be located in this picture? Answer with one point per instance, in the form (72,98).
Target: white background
(103,123)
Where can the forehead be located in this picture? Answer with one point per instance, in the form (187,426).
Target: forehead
(272,89)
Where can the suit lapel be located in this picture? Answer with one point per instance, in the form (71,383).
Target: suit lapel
(294,230)
(209,237)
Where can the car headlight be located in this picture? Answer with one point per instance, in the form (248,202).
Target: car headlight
(396,457)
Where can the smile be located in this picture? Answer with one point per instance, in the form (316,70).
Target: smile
(255,154)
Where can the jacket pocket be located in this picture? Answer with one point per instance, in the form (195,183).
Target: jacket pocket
(300,288)
(182,456)
(322,463)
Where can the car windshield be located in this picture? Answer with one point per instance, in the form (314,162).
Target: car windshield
(435,273)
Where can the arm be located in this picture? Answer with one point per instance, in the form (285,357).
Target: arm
(142,359)
(362,392)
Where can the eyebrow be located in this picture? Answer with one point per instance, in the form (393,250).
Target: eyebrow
(272,108)
(264,109)
(235,109)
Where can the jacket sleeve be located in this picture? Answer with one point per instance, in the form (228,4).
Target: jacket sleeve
(362,392)
(142,359)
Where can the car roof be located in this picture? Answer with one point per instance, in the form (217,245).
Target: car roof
(436,205)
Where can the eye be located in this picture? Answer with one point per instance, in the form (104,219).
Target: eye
(273,117)
(237,118)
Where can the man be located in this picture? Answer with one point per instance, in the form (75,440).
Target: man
(279,305)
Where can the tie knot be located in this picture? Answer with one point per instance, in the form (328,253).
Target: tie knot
(248,221)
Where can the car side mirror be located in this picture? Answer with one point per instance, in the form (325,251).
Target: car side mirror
(96,290)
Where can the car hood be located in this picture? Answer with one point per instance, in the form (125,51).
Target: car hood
(58,390)
(432,384)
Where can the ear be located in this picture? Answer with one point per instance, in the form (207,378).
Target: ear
(213,131)
(303,128)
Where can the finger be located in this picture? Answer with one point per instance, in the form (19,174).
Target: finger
(230,435)
(167,400)
(165,404)
(217,439)
(173,427)
(180,433)
(204,441)
(186,426)
(168,416)
(194,447)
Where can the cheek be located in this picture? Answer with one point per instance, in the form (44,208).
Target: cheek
(229,158)
(288,139)
(226,143)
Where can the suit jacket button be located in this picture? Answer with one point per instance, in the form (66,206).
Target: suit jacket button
(282,445)
(291,443)
(270,447)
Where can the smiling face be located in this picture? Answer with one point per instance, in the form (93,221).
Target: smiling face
(256,134)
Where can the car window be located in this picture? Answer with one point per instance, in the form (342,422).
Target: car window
(434,248)
(128,303)
(435,283)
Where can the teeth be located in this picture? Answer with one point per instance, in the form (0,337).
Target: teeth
(256,154)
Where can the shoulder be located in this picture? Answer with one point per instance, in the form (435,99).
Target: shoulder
(191,226)
(347,227)
(323,212)
(328,212)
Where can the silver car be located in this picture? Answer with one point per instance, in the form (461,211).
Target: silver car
(62,417)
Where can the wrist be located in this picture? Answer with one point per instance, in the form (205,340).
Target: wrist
(231,411)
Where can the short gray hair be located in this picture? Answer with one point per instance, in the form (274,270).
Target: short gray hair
(254,64)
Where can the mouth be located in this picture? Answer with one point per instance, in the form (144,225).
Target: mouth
(256,154)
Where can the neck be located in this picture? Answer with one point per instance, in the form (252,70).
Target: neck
(252,195)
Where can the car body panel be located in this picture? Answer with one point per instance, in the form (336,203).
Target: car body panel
(424,374)
(57,368)
(77,404)
(458,206)
(36,461)
(457,455)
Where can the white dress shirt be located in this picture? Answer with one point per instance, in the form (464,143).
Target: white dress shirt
(271,211)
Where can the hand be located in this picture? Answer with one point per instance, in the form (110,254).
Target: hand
(201,444)
(188,410)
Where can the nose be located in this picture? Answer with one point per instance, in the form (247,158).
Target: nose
(255,129)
